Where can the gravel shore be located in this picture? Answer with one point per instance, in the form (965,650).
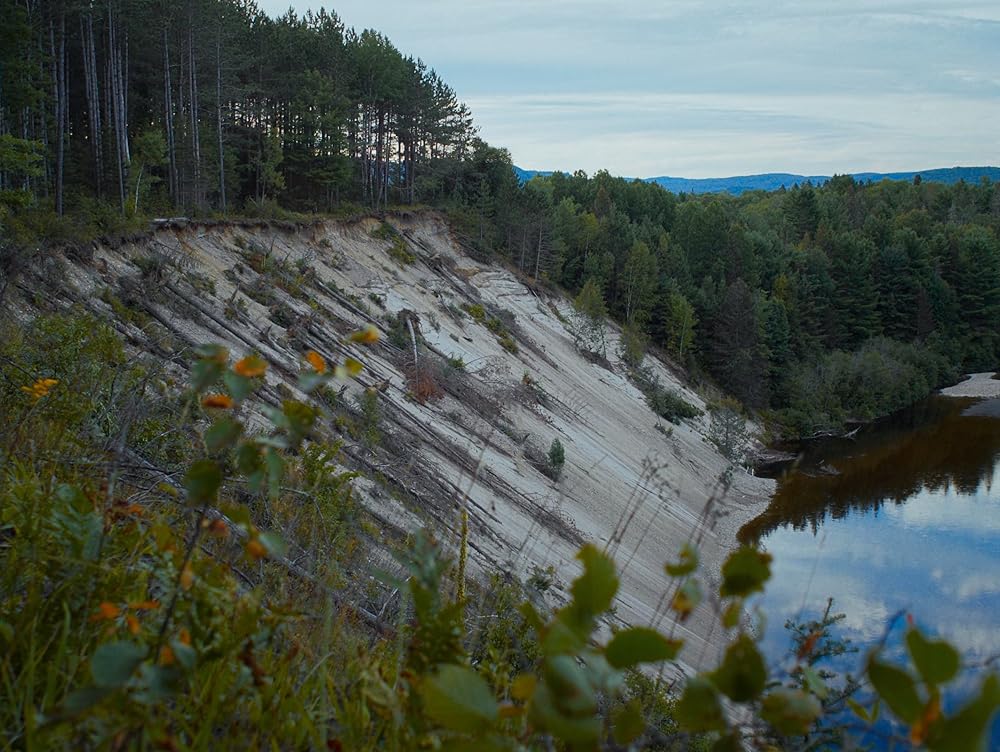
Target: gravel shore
(976,385)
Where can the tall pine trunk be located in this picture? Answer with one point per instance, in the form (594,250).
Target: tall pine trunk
(168,119)
(193,101)
(218,122)
(89,50)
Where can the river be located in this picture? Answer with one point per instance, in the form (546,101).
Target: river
(902,520)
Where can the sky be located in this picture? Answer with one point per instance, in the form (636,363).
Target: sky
(711,88)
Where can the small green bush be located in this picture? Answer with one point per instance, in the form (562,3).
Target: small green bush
(557,457)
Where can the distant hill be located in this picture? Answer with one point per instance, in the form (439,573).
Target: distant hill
(772,181)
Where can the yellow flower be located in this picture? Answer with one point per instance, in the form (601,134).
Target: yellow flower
(40,388)
(367,336)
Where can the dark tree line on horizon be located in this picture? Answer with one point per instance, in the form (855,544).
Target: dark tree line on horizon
(822,303)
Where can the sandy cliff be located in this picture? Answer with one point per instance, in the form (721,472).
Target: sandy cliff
(631,481)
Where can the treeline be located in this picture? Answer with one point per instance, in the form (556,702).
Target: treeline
(157,106)
(791,300)
(827,303)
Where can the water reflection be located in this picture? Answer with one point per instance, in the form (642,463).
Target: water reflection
(940,445)
(910,522)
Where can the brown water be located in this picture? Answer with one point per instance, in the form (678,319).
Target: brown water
(904,517)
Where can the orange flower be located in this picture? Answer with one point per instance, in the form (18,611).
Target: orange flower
(250,367)
(316,361)
(144,605)
(133,624)
(221,401)
(367,336)
(166,656)
(217,528)
(256,550)
(184,637)
(106,612)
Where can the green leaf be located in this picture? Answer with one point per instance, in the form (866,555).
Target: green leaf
(157,683)
(628,722)
(936,660)
(560,637)
(84,699)
(545,716)
(202,481)
(222,434)
(570,685)
(814,682)
(745,572)
(742,675)
(204,373)
(686,564)
(248,459)
(858,710)
(185,654)
(790,711)
(964,731)
(640,645)
(113,663)
(897,688)
(732,615)
(239,387)
(310,381)
(273,543)
(699,708)
(594,590)
(459,699)
(275,471)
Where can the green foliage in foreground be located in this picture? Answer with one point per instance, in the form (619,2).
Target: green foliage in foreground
(158,610)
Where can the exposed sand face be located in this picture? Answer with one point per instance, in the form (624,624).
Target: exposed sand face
(632,482)
(976,385)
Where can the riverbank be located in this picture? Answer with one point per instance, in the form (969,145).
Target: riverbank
(976,385)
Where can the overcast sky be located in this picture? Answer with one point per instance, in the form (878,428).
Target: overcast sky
(710,88)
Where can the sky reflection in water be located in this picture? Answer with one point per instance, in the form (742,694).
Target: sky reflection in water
(910,523)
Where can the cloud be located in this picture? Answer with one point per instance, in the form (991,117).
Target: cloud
(702,88)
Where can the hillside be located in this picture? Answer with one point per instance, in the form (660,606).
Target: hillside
(772,181)
(480,425)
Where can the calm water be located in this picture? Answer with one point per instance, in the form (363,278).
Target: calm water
(905,518)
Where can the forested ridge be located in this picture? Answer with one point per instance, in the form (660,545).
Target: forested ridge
(822,303)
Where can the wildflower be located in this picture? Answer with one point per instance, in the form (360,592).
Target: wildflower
(133,624)
(40,388)
(216,528)
(221,401)
(353,366)
(367,336)
(144,605)
(316,361)
(106,612)
(256,550)
(250,367)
